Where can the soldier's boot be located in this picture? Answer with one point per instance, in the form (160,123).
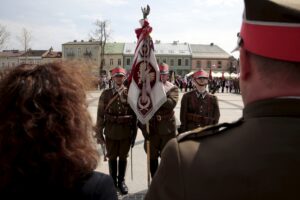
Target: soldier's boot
(112,164)
(121,181)
(153,166)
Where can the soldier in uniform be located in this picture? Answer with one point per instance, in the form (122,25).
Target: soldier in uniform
(198,107)
(117,122)
(257,157)
(163,124)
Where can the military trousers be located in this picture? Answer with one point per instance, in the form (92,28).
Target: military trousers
(118,148)
(157,143)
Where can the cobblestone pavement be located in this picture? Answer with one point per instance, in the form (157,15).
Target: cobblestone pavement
(136,176)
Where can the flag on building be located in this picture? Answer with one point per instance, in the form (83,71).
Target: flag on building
(146,93)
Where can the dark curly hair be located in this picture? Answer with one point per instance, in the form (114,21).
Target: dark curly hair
(45,128)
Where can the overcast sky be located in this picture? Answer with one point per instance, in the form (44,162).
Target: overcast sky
(55,22)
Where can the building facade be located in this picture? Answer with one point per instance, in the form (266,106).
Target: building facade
(89,51)
(209,57)
(12,58)
(181,57)
(9,58)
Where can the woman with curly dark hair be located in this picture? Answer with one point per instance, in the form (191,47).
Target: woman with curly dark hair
(46,137)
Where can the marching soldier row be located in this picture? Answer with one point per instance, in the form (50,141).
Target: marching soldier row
(117,124)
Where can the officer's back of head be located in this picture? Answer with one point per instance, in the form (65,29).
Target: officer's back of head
(269,44)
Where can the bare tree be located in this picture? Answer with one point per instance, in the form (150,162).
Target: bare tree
(25,38)
(4,36)
(101,34)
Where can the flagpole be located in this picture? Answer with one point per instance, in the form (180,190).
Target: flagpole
(148,154)
(131,163)
(145,94)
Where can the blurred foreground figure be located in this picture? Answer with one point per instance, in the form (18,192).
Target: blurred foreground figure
(46,137)
(257,157)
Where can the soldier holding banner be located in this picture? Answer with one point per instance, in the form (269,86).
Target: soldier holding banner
(198,107)
(117,122)
(163,123)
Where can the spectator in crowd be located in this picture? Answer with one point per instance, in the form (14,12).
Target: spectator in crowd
(257,157)
(47,149)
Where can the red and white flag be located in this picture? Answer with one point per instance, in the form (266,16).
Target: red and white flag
(146,93)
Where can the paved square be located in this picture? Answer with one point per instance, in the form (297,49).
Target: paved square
(231,106)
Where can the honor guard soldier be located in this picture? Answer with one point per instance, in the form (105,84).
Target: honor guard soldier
(198,107)
(257,157)
(116,127)
(163,124)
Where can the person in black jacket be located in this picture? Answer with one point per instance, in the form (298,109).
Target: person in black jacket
(46,137)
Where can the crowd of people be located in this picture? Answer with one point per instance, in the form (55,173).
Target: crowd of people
(48,141)
(215,84)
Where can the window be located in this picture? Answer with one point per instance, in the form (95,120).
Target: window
(198,64)
(157,60)
(219,64)
(164,60)
(111,62)
(179,62)
(79,52)
(209,64)
(128,61)
(119,62)
(186,62)
(172,62)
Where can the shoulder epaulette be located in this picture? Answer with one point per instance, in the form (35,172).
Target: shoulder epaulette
(208,130)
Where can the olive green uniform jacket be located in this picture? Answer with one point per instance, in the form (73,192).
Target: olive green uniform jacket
(163,123)
(198,110)
(256,158)
(118,118)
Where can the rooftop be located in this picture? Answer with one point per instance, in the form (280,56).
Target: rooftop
(162,48)
(114,48)
(11,53)
(208,51)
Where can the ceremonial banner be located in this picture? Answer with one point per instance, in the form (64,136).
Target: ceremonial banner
(146,93)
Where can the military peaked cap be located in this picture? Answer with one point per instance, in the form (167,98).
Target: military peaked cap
(118,71)
(164,68)
(271,28)
(200,74)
